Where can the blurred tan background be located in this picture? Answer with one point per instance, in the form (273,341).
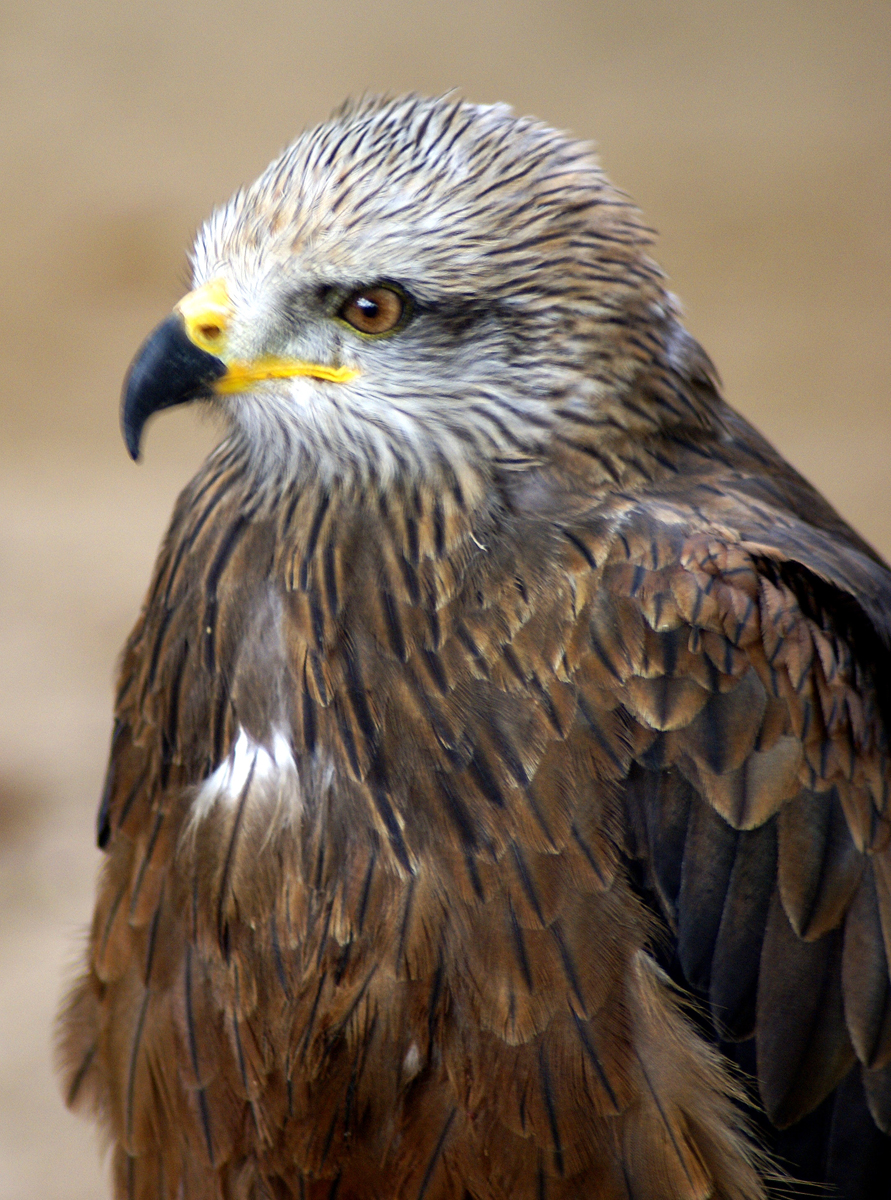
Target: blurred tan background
(754,133)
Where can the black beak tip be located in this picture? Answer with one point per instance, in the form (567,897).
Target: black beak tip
(168,369)
(132,434)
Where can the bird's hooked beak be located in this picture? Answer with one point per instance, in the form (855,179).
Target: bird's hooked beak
(185,358)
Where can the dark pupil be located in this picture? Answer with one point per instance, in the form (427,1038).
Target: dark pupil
(368,308)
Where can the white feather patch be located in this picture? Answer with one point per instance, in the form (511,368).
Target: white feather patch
(255,772)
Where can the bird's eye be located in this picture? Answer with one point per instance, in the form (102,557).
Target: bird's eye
(374,310)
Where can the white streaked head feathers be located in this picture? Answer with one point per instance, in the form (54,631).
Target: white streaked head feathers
(508,239)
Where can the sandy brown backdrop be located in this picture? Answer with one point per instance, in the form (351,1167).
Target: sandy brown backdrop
(754,134)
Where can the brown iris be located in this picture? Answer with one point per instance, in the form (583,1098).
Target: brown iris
(374,310)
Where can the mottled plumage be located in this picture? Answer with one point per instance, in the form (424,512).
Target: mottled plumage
(497,684)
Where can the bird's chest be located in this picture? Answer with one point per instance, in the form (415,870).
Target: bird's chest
(357,695)
(369,787)
(372,755)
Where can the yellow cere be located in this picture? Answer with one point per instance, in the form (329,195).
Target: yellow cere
(206,313)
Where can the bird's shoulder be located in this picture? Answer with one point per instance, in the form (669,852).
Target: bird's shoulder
(745,637)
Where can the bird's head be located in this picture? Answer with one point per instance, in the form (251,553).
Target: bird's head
(414,285)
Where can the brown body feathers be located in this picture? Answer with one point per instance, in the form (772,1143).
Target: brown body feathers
(487,695)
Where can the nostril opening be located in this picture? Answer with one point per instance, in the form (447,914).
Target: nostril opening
(210,332)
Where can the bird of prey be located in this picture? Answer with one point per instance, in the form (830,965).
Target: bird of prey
(497,805)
